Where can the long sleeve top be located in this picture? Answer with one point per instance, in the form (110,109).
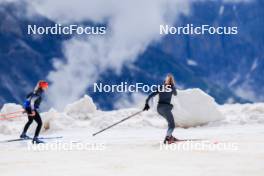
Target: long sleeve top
(164,96)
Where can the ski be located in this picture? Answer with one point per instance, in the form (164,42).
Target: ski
(185,140)
(53,137)
(21,139)
(14,140)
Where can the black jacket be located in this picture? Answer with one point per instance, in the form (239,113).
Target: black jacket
(164,96)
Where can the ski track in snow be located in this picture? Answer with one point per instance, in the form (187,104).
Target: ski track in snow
(130,151)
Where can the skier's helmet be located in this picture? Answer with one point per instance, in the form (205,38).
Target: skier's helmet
(43,84)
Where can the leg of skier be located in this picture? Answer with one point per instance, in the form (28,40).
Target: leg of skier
(37,118)
(165,111)
(171,123)
(24,133)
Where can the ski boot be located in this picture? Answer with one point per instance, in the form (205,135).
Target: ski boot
(170,140)
(37,141)
(24,136)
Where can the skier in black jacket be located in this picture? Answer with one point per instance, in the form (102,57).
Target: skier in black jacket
(164,107)
(31,105)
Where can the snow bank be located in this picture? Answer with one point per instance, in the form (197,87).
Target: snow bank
(11,110)
(102,119)
(193,107)
(74,115)
(11,118)
(243,113)
(54,120)
(81,108)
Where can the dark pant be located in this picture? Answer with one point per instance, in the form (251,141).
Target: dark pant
(30,120)
(165,111)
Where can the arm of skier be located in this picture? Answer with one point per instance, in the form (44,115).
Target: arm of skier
(32,106)
(174,90)
(149,97)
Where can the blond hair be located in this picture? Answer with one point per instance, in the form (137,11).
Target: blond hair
(169,80)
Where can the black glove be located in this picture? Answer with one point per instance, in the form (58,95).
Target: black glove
(146,107)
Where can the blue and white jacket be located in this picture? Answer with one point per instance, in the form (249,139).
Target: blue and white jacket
(33,100)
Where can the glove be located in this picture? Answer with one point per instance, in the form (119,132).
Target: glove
(146,107)
(33,113)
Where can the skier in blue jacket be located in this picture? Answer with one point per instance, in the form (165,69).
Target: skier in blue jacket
(164,107)
(31,105)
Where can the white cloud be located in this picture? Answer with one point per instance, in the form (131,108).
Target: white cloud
(246,91)
(191,62)
(136,100)
(1,1)
(133,25)
(74,10)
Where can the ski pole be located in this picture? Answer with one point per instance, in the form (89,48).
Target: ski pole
(6,114)
(118,122)
(11,117)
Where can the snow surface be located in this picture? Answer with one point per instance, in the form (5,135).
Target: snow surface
(132,148)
